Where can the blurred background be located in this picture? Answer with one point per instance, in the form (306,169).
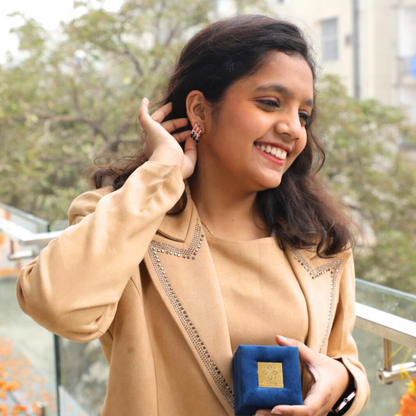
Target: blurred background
(72,75)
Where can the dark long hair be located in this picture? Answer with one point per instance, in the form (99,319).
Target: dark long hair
(299,210)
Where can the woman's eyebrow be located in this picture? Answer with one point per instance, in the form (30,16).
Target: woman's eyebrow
(284,90)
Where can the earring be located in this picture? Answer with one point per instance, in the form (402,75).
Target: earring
(196,133)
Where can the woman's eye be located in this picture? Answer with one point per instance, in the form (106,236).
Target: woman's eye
(270,103)
(305,117)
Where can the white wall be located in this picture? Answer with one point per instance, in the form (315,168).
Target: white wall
(378,55)
(407,98)
(308,14)
(407,31)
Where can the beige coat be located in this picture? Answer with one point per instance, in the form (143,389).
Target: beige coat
(145,284)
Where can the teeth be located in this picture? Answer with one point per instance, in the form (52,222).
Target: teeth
(275,151)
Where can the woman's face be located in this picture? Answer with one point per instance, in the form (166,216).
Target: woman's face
(258,130)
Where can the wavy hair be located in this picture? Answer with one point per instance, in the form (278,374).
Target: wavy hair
(300,210)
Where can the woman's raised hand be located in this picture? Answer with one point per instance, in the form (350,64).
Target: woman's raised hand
(330,380)
(163,147)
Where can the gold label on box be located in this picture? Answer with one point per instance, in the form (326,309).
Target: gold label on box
(270,375)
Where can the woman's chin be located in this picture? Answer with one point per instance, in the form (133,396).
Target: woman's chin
(269,184)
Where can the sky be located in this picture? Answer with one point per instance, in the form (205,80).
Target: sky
(48,12)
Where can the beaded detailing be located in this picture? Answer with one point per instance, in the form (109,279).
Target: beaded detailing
(333,268)
(155,250)
(189,253)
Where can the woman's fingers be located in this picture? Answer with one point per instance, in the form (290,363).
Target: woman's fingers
(177,123)
(182,136)
(312,405)
(160,114)
(163,147)
(190,157)
(287,411)
(191,150)
(144,113)
(298,411)
(288,342)
(306,355)
(313,398)
(330,379)
(291,411)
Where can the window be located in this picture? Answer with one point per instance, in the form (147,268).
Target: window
(329,30)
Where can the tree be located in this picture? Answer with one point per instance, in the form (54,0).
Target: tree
(74,94)
(374,179)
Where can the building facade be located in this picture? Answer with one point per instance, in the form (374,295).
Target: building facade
(370,44)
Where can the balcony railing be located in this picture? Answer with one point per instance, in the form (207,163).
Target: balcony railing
(69,379)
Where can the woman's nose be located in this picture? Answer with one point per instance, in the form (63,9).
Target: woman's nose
(289,124)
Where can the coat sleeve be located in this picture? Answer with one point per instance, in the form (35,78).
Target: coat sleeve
(73,287)
(341,344)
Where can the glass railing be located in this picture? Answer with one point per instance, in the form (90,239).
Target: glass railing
(46,374)
(83,378)
(385,399)
(27,351)
(70,379)
(386,299)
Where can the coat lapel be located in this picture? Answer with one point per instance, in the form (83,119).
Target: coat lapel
(181,267)
(318,279)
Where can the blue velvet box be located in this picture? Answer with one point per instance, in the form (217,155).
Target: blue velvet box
(256,371)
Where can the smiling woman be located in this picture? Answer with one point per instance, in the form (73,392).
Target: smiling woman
(217,234)
(265,110)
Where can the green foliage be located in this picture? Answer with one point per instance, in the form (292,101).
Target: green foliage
(367,171)
(74,95)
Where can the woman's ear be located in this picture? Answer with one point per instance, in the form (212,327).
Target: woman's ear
(197,109)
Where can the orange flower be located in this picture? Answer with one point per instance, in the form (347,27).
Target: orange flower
(35,408)
(18,409)
(4,411)
(408,400)
(9,385)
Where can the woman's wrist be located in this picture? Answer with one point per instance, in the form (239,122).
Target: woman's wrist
(167,157)
(345,401)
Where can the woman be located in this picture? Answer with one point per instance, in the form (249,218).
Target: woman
(172,281)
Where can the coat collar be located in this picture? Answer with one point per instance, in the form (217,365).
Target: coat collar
(176,227)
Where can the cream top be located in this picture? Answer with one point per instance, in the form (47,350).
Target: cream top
(261,294)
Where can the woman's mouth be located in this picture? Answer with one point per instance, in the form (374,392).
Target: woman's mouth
(276,152)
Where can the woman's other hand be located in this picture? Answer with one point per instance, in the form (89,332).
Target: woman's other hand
(163,147)
(330,380)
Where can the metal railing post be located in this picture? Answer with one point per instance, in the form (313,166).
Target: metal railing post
(387,354)
(57,372)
